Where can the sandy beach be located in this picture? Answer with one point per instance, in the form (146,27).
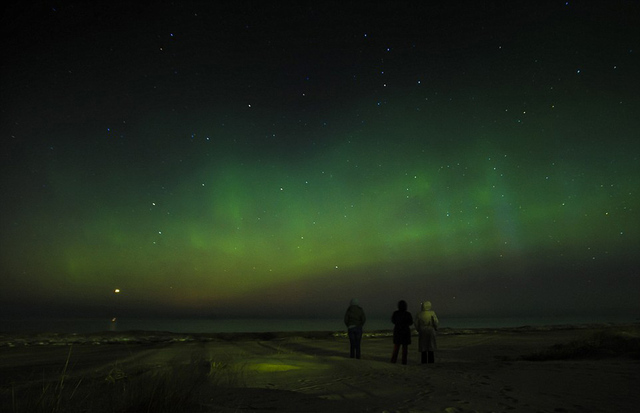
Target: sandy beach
(475,371)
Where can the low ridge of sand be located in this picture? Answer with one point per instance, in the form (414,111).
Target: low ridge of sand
(475,371)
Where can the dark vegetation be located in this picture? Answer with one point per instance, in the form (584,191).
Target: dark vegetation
(602,344)
(178,388)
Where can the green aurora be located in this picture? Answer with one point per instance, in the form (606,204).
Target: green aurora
(488,194)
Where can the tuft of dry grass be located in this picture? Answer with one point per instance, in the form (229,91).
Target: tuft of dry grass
(174,388)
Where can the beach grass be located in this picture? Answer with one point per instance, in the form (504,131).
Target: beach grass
(601,344)
(174,388)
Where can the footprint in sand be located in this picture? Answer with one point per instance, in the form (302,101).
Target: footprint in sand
(453,393)
(504,391)
(487,381)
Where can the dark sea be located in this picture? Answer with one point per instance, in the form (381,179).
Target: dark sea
(243,325)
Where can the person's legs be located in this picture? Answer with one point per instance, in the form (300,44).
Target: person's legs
(423,357)
(394,355)
(352,342)
(432,357)
(358,341)
(405,351)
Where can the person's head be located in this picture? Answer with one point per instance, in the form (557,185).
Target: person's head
(354,301)
(426,305)
(402,305)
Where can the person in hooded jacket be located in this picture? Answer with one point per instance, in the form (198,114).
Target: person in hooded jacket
(427,325)
(402,321)
(354,319)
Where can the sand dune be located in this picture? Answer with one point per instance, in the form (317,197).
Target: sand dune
(475,371)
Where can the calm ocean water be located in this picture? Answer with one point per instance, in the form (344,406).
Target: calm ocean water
(34,325)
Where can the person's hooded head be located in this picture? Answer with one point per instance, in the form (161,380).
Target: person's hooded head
(354,301)
(402,305)
(426,306)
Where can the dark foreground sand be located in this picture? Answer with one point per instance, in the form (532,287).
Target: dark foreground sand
(475,371)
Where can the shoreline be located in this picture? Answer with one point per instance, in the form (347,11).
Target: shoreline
(9,339)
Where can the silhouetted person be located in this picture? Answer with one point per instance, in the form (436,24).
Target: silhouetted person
(427,325)
(354,319)
(402,321)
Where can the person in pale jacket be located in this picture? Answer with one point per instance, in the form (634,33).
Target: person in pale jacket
(354,319)
(426,325)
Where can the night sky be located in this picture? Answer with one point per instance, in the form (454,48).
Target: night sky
(279,158)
